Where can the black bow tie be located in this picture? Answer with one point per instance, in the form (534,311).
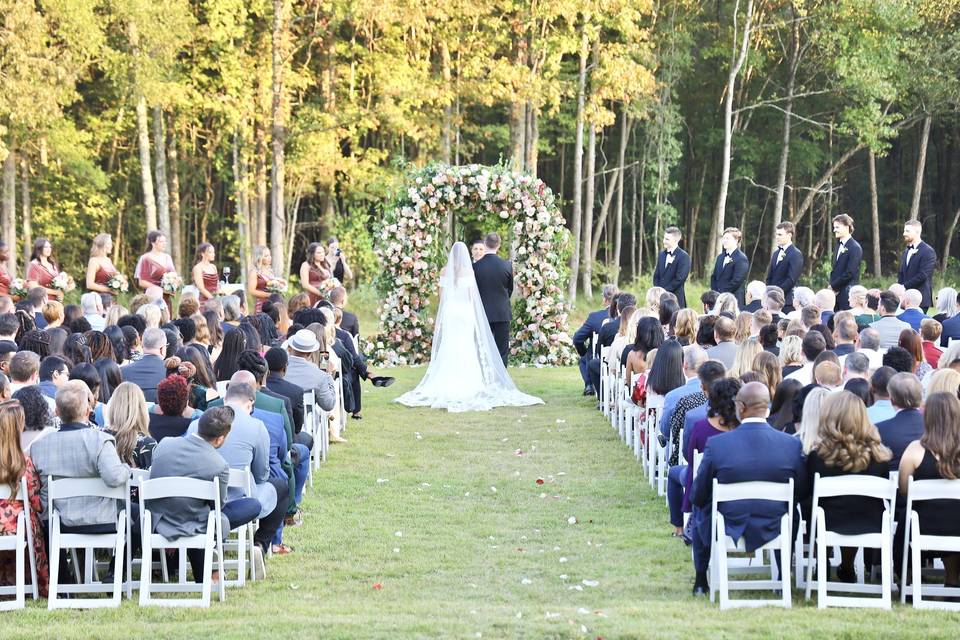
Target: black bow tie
(912,247)
(669,253)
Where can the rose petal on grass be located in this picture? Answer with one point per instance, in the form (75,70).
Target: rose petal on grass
(540,481)
(377,586)
(494,489)
(562,560)
(399,534)
(583,611)
(591,583)
(382,480)
(396,549)
(526,581)
(572,520)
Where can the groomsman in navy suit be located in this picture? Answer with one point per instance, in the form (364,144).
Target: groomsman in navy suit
(732,267)
(917,264)
(786,263)
(673,266)
(846,261)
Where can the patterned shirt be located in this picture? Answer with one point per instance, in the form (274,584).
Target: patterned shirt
(685,404)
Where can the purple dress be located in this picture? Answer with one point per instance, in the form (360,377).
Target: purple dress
(701,432)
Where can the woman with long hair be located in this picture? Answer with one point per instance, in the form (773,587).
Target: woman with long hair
(848,445)
(206,278)
(624,337)
(946,304)
(936,456)
(226,363)
(944,381)
(90,376)
(314,271)
(781,407)
(14,466)
(43,268)
(791,355)
(100,346)
(806,405)
(910,340)
(118,342)
(667,372)
(685,326)
(100,268)
(767,366)
(649,336)
(743,360)
(261,274)
(128,425)
(110,378)
(744,327)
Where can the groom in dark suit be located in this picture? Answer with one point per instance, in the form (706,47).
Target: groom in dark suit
(495,282)
(846,261)
(786,263)
(673,266)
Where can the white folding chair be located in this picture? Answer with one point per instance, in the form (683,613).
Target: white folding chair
(239,540)
(604,391)
(821,539)
(722,544)
(66,488)
(21,543)
(654,410)
(137,476)
(915,543)
(211,541)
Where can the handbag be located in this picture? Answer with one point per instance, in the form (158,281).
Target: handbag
(639,393)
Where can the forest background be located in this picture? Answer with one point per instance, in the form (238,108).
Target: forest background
(280,122)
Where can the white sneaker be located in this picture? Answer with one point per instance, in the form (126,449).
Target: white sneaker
(258,568)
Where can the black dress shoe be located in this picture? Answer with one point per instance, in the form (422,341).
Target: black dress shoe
(589,391)
(382,381)
(701,590)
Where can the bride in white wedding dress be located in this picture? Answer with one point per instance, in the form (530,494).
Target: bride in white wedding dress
(465,372)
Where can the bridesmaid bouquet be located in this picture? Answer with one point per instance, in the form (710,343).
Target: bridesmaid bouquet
(63,282)
(18,288)
(329,285)
(276,285)
(118,283)
(171,282)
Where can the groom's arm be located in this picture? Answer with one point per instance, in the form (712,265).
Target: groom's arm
(510,278)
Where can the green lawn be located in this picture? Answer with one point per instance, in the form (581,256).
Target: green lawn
(464,542)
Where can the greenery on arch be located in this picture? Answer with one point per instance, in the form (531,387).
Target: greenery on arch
(411,247)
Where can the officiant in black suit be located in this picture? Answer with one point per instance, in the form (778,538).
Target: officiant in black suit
(917,264)
(786,263)
(732,267)
(846,261)
(673,266)
(495,282)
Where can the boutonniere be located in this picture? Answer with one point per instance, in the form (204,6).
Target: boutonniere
(727,260)
(669,259)
(843,249)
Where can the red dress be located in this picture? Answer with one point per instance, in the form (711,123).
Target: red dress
(211,282)
(261,286)
(315,278)
(152,271)
(9,511)
(102,276)
(43,276)
(5,280)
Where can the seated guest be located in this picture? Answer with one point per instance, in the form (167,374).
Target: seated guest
(16,465)
(38,416)
(720,417)
(860,388)
(907,425)
(693,357)
(171,415)
(845,334)
(277,360)
(911,342)
(9,326)
(889,325)
(767,366)
(791,355)
(912,313)
(53,314)
(812,346)
(732,457)
(93,312)
(827,375)
(148,371)
(826,300)
(950,329)
(756,290)
(946,306)
(769,336)
(856,365)
(868,343)
(881,409)
(944,381)
(747,351)
(196,456)
(77,450)
(247,446)
(584,336)
(781,407)
(930,331)
(705,334)
(848,445)
(24,370)
(306,375)
(810,317)
(725,350)
(899,359)
(607,334)
(128,425)
(935,456)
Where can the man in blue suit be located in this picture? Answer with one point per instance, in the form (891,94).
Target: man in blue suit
(786,263)
(906,426)
(917,264)
(951,329)
(732,267)
(583,338)
(846,261)
(673,266)
(754,451)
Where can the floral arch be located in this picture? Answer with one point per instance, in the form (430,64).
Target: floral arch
(412,247)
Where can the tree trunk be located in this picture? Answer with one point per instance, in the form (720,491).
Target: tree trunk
(633,222)
(146,171)
(589,240)
(447,130)
(948,239)
(240,202)
(921,165)
(787,123)
(8,214)
(578,170)
(176,235)
(618,231)
(518,128)
(260,186)
(736,63)
(531,152)
(601,225)
(27,209)
(160,157)
(874,213)
(278,135)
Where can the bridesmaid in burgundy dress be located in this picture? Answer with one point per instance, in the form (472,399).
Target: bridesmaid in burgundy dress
(154,264)
(205,275)
(5,277)
(43,268)
(260,275)
(314,271)
(100,267)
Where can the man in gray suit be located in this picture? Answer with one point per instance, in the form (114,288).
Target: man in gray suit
(889,325)
(195,456)
(148,371)
(724,331)
(247,446)
(304,373)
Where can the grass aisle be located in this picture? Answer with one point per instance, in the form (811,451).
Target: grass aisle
(441,512)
